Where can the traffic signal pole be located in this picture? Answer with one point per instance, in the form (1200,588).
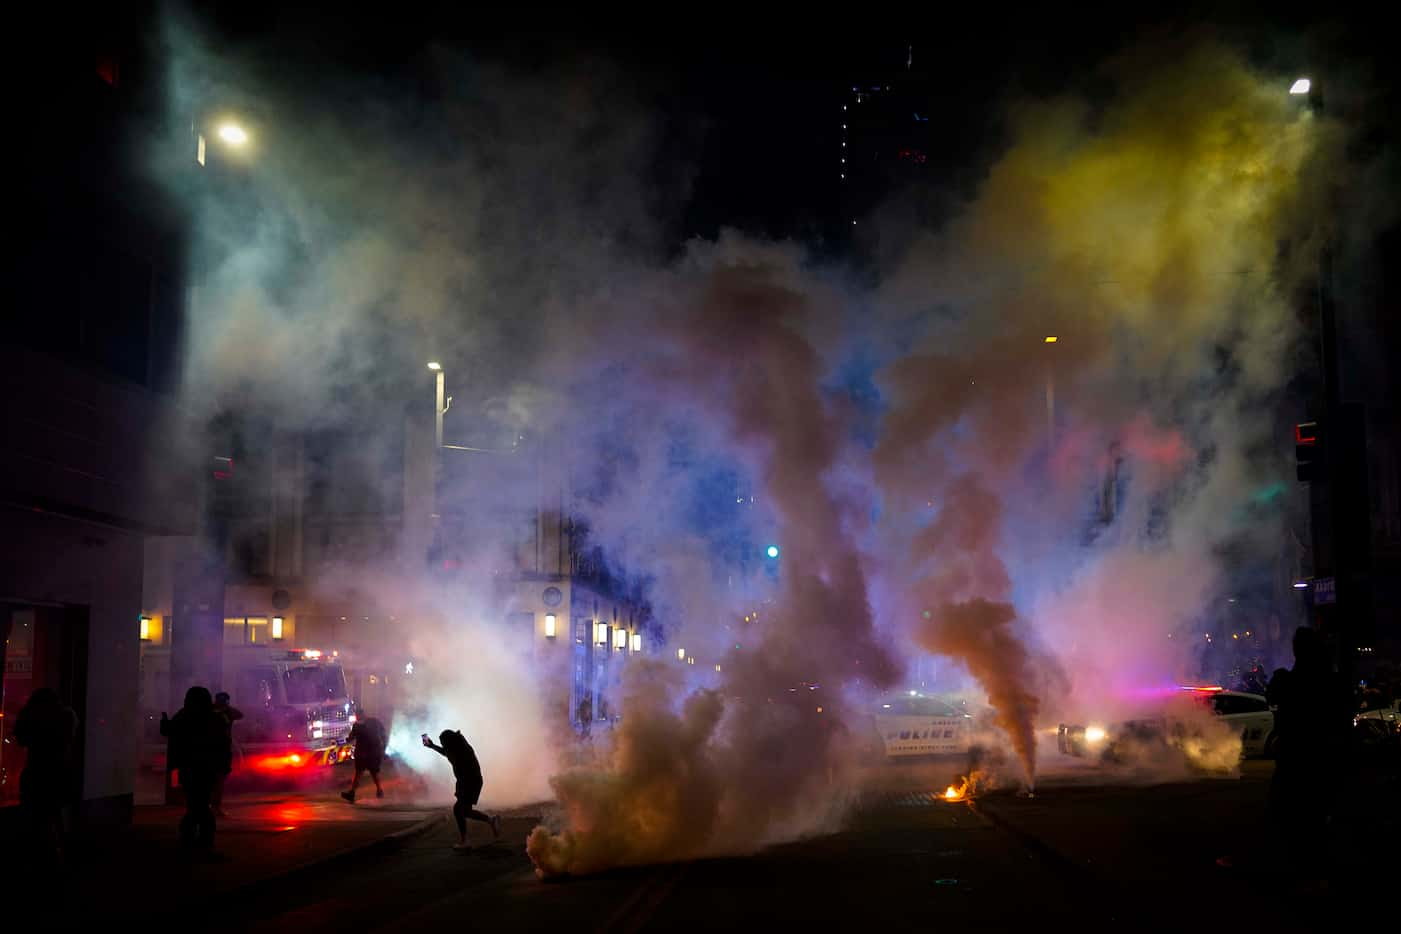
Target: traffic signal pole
(1338,501)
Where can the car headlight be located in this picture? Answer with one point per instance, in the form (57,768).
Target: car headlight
(1095,734)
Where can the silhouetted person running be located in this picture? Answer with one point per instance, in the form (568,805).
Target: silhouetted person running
(199,747)
(46,729)
(370,739)
(229,714)
(1313,712)
(468,773)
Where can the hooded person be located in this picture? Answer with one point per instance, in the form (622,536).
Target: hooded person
(468,772)
(370,739)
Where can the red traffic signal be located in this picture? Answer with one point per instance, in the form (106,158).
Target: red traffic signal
(1309,464)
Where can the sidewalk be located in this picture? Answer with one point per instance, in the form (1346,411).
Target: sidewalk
(143,869)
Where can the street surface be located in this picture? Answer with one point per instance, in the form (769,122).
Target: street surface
(1086,850)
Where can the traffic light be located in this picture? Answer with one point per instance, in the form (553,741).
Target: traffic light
(771,551)
(1309,462)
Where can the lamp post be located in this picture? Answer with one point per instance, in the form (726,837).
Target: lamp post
(438,407)
(1050,394)
(1338,502)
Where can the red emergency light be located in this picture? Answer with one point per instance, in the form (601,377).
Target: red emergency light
(1306,433)
(279,763)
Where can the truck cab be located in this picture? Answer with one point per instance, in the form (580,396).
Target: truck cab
(296,706)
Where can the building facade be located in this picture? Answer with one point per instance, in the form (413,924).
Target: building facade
(96,445)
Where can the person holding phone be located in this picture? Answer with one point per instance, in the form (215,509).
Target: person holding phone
(468,772)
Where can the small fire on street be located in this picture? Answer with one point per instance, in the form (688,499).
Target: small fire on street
(959,792)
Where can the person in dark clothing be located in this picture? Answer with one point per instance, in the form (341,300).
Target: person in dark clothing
(46,729)
(370,739)
(468,773)
(1313,713)
(229,714)
(199,749)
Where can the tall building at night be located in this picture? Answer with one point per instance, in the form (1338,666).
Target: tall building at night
(885,142)
(95,443)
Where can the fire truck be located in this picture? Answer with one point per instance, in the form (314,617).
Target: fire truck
(297,709)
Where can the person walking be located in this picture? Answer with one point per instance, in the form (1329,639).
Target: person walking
(370,739)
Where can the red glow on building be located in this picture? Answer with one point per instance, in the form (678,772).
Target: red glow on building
(108,69)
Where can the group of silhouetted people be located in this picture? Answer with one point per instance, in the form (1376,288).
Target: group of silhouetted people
(200,751)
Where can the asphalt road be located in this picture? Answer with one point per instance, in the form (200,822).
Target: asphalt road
(1088,850)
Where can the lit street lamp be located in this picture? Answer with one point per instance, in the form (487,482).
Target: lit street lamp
(233,134)
(1050,396)
(438,408)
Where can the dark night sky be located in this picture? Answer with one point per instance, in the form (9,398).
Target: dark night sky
(748,105)
(745,108)
(750,108)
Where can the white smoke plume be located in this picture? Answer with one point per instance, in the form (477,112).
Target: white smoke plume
(736,766)
(1143,235)
(498,223)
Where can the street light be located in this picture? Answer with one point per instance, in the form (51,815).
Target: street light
(233,134)
(1300,86)
(1050,394)
(439,407)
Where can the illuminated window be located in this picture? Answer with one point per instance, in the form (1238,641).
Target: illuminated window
(235,631)
(258,629)
(277,627)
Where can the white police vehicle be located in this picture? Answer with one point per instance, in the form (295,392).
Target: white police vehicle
(917,725)
(1249,714)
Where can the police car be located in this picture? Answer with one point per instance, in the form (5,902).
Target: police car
(1249,714)
(916,725)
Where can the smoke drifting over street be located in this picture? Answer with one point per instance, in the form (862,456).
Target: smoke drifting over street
(515,225)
